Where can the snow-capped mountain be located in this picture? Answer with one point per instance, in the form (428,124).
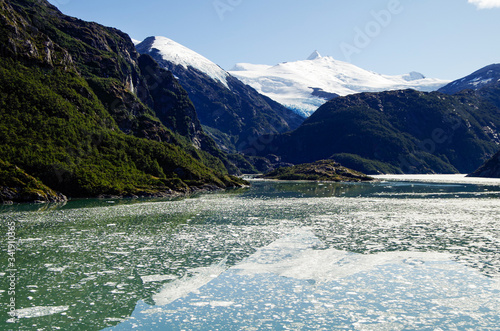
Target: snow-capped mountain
(233,113)
(486,76)
(178,54)
(305,85)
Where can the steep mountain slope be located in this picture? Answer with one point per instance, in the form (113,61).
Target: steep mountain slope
(397,131)
(487,76)
(306,85)
(233,114)
(18,186)
(76,110)
(490,169)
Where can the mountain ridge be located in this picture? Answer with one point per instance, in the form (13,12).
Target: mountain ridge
(403,131)
(233,113)
(486,76)
(490,169)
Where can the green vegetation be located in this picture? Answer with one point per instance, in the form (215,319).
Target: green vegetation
(366,166)
(18,186)
(397,132)
(77,114)
(67,139)
(323,170)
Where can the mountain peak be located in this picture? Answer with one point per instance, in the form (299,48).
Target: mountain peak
(412,76)
(178,54)
(489,75)
(315,55)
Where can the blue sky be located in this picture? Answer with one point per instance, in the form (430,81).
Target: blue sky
(445,39)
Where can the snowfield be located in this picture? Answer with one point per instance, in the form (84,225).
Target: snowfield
(180,55)
(302,86)
(293,84)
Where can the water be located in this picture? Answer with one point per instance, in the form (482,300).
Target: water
(390,255)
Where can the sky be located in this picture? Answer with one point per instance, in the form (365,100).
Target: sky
(445,39)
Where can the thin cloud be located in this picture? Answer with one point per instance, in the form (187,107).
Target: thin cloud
(486,4)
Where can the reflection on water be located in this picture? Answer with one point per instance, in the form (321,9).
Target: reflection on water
(392,255)
(290,285)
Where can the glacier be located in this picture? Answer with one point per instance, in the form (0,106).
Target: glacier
(295,84)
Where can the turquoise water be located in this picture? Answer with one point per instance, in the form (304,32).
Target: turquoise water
(278,256)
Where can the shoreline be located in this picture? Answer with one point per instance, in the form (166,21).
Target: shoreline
(170,194)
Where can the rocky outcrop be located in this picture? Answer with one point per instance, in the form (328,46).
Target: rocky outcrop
(323,170)
(491,169)
(17,186)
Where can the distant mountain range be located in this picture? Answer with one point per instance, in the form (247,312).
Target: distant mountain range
(403,131)
(306,85)
(232,113)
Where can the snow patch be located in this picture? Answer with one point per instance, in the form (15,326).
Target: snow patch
(412,76)
(480,82)
(178,54)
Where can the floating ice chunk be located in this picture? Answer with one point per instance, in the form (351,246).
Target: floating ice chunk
(157,278)
(39,311)
(60,269)
(221,304)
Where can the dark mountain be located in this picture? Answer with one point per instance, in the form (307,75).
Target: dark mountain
(397,132)
(234,114)
(80,110)
(490,169)
(487,76)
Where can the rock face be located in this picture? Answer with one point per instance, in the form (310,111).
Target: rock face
(491,169)
(18,186)
(323,170)
(233,113)
(398,132)
(87,115)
